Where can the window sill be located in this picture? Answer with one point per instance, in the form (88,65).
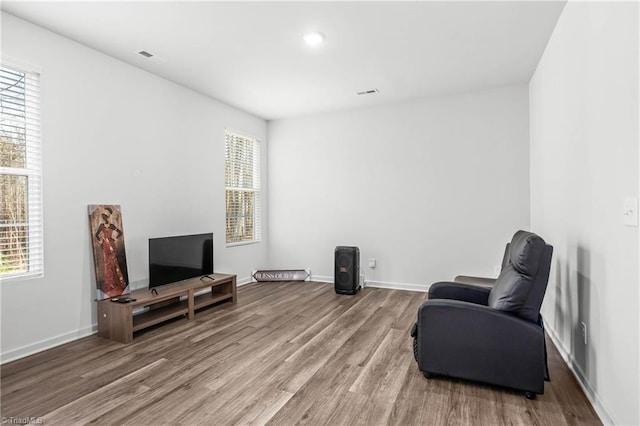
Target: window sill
(243,243)
(21,277)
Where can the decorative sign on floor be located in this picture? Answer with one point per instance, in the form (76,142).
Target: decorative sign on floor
(265,275)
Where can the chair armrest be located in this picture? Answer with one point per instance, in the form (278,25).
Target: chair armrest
(494,320)
(480,281)
(459,291)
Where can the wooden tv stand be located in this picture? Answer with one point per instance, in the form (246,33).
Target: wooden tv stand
(116,321)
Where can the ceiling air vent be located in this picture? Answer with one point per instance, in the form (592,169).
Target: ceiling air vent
(151,57)
(367,92)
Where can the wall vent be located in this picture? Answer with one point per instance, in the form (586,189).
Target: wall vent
(367,92)
(145,53)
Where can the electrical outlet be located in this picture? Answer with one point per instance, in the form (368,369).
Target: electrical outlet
(372,263)
(584,332)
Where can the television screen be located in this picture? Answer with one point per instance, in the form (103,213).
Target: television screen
(178,258)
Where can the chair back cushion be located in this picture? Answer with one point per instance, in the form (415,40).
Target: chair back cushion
(525,251)
(521,285)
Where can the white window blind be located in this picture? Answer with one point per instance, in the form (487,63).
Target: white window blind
(242,188)
(21,244)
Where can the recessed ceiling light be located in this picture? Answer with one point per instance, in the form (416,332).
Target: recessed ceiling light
(313,38)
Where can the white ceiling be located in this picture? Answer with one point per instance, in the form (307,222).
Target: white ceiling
(252,56)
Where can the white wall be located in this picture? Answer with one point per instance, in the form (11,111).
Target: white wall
(105,122)
(584,162)
(430,188)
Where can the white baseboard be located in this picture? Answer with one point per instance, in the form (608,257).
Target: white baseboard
(589,391)
(398,286)
(33,348)
(243,281)
(379,284)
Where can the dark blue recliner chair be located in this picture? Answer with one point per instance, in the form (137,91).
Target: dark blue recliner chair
(493,335)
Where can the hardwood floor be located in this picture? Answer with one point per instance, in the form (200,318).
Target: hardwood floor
(287,353)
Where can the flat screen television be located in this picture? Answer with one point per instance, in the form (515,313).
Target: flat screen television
(178,258)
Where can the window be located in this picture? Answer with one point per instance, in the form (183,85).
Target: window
(242,188)
(20,174)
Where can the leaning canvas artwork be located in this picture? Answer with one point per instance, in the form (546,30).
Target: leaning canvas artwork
(109,256)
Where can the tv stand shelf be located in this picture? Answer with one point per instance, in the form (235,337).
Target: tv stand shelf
(116,321)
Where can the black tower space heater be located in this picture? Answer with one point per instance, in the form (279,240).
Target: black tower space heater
(346,274)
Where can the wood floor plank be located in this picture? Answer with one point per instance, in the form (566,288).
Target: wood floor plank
(408,316)
(357,409)
(264,408)
(170,408)
(381,378)
(118,392)
(329,384)
(287,353)
(315,353)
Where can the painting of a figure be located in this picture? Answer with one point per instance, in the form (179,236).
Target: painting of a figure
(108,250)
